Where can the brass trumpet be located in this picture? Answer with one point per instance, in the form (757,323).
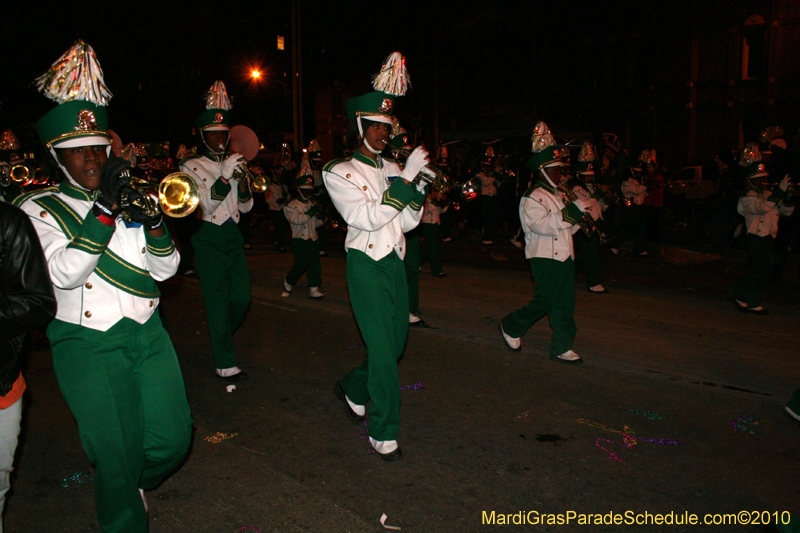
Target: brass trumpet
(258,182)
(176,196)
(438,180)
(587,223)
(18,174)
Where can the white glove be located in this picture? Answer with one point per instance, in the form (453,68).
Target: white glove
(785,182)
(414,163)
(230,164)
(583,204)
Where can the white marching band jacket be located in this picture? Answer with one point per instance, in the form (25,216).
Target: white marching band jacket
(548,224)
(761,213)
(218,201)
(101,274)
(596,206)
(432,213)
(377,211)
(303,226)
(631,188)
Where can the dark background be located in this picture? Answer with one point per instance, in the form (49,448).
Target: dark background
(492,70)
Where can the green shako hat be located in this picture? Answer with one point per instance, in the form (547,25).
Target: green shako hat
(75,82)
(217,115)
(586,159)
(545,151)
(390,82)
(752,162)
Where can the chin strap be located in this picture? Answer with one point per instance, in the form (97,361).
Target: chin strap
(547,176)
(361,132)
(66,173)
(211,150)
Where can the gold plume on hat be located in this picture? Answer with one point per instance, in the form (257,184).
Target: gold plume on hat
(750,154)
(217,97)
(542,137)
(587,153)
(76,75)
(393,78)
(9,141)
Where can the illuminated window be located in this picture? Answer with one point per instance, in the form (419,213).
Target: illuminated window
(281,42)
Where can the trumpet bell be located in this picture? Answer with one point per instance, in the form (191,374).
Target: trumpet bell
(178,195)
(470,191)
(20,174)
(259,183)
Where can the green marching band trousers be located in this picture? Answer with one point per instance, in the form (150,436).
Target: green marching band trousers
(379,297)
(225,281)
(124,387)
(553,295)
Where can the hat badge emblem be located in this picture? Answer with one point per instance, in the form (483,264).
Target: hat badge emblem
(386,106)
(218,118)
(86,121)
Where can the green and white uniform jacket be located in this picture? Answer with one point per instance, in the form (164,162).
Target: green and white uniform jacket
(303,226)
(548,224)
(377,206)
(218,201)
(101,274)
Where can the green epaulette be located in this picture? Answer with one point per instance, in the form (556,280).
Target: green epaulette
(333,162)
(24,196)
(182,161)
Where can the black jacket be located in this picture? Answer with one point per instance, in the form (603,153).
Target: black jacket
(26,292)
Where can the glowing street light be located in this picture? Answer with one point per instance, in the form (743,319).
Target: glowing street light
(255,74)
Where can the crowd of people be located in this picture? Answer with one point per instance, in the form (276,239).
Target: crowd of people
(86,253)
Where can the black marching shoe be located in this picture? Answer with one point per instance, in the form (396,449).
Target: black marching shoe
(352,415)
(391,456)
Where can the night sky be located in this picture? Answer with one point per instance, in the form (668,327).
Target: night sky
(517,59)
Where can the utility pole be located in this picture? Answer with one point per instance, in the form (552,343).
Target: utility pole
(297,77)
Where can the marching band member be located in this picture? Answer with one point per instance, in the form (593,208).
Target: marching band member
(589,246)
(379,203)
(302,215)
(761,210)
(114,361)
(548,226)
(635,221)
(219,246)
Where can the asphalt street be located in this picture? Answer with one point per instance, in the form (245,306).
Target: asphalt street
(677,409)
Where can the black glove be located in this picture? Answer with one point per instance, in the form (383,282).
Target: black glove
(136,214)
(111,181)
(280,201)
(313,210)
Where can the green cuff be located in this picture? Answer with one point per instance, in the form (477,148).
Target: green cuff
(93,237)
(398,195)
(572,213)
(244,196)
(220,190)
(160,246)
(419,199)
(777,195)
